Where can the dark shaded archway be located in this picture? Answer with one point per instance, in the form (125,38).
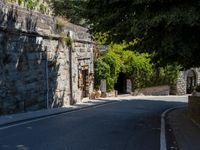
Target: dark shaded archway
(120,86)
(191,81)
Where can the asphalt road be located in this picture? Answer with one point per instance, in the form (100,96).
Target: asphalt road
(125,125)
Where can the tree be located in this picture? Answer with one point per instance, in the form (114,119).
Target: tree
(107,67)
(70,9)
(138,67)
(167,29)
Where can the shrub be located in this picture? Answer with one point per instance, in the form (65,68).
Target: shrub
(138,67)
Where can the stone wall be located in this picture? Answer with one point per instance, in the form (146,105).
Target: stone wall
(181,86)
(156,90)
(40,61)
(181,83)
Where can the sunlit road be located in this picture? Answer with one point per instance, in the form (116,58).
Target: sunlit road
(130,124)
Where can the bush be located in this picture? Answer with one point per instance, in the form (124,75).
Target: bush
(138,67)
(166,75)
(102,71)
(107,67)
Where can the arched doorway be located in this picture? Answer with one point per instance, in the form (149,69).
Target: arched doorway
(191,81)
(120,86)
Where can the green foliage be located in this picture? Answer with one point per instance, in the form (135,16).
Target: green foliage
(116,60)
(70,9)
(31,4)
(138,67)
(168,29)
(65,40)
(43,6)
(100,38)
(102,71)
(166,75)
(113,61)
(107,67)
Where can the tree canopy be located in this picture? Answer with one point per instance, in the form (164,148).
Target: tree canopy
(70,9)
(169,29)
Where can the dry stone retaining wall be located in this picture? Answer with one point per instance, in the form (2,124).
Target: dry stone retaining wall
(156,90)
(36,62)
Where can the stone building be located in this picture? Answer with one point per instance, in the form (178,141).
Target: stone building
(187,80)
(44,63)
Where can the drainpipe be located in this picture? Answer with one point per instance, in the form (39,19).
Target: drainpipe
(71,101)
(70,77)
(47,82)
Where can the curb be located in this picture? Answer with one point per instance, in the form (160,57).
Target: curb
(163,145)
(23,121)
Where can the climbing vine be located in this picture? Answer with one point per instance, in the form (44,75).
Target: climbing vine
(137,66)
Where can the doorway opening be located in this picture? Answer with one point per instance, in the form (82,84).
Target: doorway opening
(120,86)
(85,83)
(191,81)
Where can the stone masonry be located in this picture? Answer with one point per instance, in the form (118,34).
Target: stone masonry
(181,86)
(41,61)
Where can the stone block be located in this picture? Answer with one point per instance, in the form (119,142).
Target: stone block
(23,74)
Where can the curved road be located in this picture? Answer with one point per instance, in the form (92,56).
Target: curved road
(130,124)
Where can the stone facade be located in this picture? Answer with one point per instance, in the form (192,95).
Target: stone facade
(41,62)
(156,90)
(183,82)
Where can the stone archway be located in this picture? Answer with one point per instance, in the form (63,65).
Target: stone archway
(120,86)
(191,81)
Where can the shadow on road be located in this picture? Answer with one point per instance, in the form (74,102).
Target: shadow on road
(126,125)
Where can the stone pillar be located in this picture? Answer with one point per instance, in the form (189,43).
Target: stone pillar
(181,84)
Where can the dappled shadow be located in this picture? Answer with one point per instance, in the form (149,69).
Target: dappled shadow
(19,79)
(28,77)
(8,19)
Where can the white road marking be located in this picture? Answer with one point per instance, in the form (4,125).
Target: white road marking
(163,145)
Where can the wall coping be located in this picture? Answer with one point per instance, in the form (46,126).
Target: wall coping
(40,24)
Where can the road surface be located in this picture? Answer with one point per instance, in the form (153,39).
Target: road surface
(129,124)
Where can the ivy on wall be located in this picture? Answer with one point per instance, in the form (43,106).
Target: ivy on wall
(137,66)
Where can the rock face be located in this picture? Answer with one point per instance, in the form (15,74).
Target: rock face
(43,64)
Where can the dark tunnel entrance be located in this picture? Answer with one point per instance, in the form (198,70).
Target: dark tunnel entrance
(120,86)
